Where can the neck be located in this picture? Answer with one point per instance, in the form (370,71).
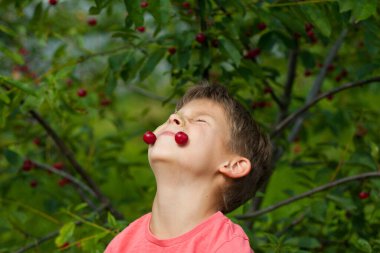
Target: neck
(180,205)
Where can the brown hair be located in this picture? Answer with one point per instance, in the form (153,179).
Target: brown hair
(246,139)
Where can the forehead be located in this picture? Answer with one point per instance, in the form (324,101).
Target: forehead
(204,106)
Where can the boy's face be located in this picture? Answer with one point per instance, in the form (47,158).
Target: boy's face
(205,123)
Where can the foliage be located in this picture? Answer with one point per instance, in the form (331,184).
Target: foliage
(99,73)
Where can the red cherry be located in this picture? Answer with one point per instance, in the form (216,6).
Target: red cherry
(149,137)
(58,166)
(82,93)
(181,138)
(65,245)
(92,22)
(363,195)
(105,102)
(330,68)
(201,38)
(251,54)
(310,34)
(172,50)
(33,183)
(268,90)
(63,181)
(186,5)
(53,2)
(27,165)
(307,72)
(37,141)
(308,27)
(69,82)
(215,43)
(141,29)
(261,26)
(330,97)
(23,51)
(144,4)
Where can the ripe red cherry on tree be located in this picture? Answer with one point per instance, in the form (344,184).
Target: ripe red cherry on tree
(27,165)
(181,138)
(149,137)
(144,4)
(363,195)
(92,22)
(261,26)
(82,92)
(251,54)
(53,2)
(63,181)
(33,183)
(186,5)
(172,50)
(141,29)
(201,38)
(58,166)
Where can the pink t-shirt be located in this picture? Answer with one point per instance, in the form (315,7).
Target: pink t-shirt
(217,234)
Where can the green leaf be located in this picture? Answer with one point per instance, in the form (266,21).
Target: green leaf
(165,7)
(4,98)
(319,18)
(16,57)
(7,81)
(111,220)
(229,49)
(151,62)
(65,233)
(361,10)
(135,14)
(364,9)
(94,10)
(111,82)
(12,157)
(304,242)
(363,245)
(7,30)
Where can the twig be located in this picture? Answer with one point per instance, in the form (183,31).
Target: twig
(38,242)
(148,94)
(307,106)
(319,81)
(309,193)
(292,66)
(66,175)
(78,168)
(51,235)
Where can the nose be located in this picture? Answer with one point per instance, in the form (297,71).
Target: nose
(176,119)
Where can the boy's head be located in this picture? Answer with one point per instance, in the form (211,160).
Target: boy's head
(245,139)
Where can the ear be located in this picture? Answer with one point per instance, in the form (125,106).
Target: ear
(235,168)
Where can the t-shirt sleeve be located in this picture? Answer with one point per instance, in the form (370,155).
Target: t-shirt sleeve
(236,244)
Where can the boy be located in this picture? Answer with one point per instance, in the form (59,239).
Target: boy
(221,166)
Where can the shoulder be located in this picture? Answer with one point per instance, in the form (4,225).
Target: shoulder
(228,236)
(134,230)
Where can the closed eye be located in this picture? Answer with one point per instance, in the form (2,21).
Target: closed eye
(201,120)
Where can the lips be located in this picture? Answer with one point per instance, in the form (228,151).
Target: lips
(168,133)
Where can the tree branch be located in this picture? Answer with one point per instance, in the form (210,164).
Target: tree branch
(70,157)
(319,81)
(51,235)
(148,94)
(66,175)
(309,193)
(292,67)
(280,127)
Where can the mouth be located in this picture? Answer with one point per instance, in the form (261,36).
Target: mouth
(168,133)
